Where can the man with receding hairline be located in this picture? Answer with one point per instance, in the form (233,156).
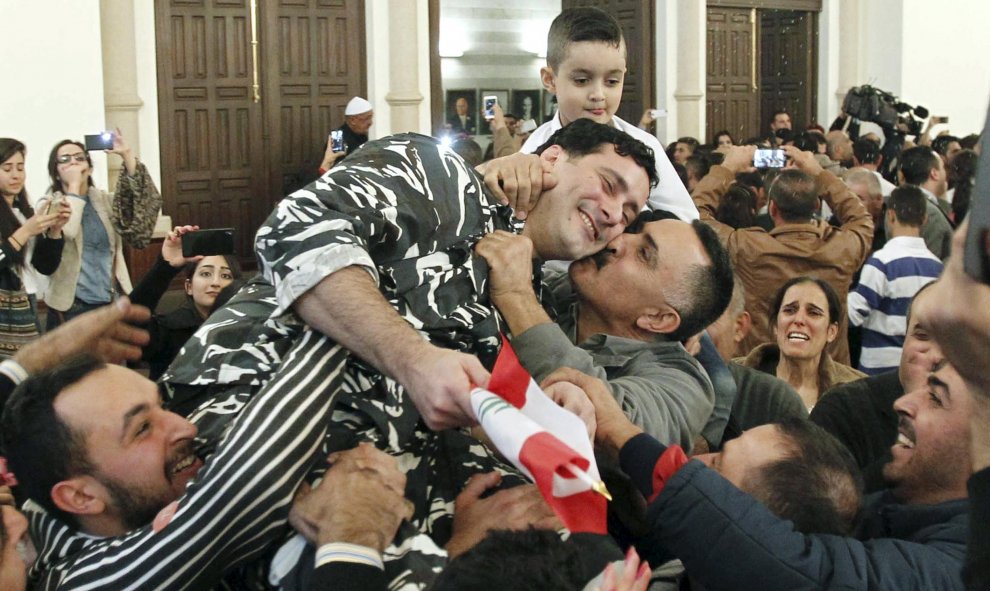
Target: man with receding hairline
(799,244)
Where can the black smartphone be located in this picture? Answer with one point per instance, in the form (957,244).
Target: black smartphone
(208,242)
(337,141)
(99,141)
(976,263)
(764,158)
(490,106)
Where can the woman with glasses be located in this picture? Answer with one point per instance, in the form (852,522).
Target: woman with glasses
(25,235)
(92,272)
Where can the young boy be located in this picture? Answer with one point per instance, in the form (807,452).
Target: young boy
(586,66)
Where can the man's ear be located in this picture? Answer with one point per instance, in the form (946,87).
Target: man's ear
(744,322)
(659,321)
(550,156)
(772,209)
(79,496)
(891,216)
(549,79)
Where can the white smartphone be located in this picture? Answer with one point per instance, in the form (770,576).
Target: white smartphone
(490,102)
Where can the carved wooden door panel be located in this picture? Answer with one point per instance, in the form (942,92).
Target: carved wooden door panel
(788,41)
(229,151)
(732,99)
(636,17)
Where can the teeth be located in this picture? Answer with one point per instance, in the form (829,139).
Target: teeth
(902,439)
(797,335)
(185,463)
(587,222)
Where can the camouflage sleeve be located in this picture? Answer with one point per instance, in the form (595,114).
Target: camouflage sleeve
(135,206)
(396,199)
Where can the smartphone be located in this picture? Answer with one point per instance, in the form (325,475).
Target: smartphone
(53,205)
(764,158)
(976,263)
(337,141)
(208,242)
(490,102)
(99,141)
(658,113)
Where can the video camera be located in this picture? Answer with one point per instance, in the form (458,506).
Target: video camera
(868,103)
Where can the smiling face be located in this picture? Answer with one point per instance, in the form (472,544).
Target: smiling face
(931,458)
(595,198)
(142,456)
(211,275)
(12,175)
(803,326)
(588,82)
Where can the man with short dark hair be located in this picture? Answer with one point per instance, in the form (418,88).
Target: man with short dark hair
(868,155)
(798,244)
(839,147)
(779,120)
(911,536)
(924,168)
(890,279)
(621,315)
(697,167)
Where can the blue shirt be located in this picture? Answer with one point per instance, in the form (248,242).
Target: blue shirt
(95,275)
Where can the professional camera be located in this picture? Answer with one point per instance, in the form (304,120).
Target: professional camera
(868,103)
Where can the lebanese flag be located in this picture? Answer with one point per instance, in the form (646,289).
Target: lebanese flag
(540,438)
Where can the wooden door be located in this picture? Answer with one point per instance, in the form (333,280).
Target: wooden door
(312,63)
(732,95)
(788,73)
(227,158)
(636,17)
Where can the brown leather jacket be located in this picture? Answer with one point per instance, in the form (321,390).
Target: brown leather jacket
(830,372)
(763,260)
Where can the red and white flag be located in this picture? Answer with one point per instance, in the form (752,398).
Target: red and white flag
(541,439)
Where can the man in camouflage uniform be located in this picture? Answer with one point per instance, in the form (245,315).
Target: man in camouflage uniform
(378,254)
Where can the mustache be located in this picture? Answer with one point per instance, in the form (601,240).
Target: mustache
(184,450)
(602,257)
(905,426)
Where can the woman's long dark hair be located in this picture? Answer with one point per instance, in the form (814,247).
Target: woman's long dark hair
(8,222)
(53,166)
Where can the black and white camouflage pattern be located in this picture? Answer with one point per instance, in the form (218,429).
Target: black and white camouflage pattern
(409,211)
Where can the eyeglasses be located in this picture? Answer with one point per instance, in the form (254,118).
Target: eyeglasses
(65,158)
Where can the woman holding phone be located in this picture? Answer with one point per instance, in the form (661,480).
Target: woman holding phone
(92,271)
(25,235)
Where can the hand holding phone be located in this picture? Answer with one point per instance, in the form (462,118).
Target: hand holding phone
(764,158)
(99,141)
(490,102)
(337,143)
(217,241)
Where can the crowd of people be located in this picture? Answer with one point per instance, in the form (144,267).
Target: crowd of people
(778,365)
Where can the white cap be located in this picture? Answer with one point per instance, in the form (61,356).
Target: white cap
(527,126)
(866,127)
(357,106)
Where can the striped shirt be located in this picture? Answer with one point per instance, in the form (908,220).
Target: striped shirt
(234,509)
(879,303)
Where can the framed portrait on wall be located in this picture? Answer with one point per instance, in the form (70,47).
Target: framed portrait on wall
(526,105)
(462,111)
(549,102)
(503,101)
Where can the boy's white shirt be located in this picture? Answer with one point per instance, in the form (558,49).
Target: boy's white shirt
(669,194)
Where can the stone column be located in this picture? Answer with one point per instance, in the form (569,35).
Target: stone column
(691,68)
(121,99)
(850,73)
(404,96)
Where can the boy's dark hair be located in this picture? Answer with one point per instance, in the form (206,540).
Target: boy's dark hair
(867,150)
(574,25)
(917,163)
(528,560)
(909,205)
(753,180)
(817,486)
(40,448)
(795,194)
(584,137)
